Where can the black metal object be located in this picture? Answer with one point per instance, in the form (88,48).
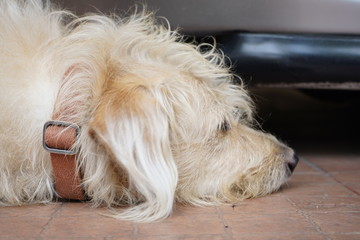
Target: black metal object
(284,59)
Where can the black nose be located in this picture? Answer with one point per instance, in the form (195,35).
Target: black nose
(292,163)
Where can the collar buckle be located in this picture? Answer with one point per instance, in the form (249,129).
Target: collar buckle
(59,137)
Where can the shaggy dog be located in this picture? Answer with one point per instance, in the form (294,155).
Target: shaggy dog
(159,119)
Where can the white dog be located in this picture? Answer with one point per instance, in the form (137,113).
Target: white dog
(152,120)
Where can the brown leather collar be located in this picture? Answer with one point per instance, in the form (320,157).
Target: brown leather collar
(59,139)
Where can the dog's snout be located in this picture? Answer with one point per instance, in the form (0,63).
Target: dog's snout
(292,163)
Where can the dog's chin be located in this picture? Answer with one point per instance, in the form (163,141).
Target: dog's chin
(266,178)
(251,187)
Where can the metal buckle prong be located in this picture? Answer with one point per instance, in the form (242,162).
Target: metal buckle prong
(65,125)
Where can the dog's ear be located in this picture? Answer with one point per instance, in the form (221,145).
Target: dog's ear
(130,121)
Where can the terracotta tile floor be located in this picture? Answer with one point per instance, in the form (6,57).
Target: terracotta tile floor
(321,201)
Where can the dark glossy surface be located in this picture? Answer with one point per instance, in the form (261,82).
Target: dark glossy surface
(283,58)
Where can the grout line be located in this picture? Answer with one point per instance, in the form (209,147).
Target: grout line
(46,227)
(328,174)
(315,167)
(135,231)
(225,224)
(347,187)
(308,219)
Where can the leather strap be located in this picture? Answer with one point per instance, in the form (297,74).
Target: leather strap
(59,138)
(67,181)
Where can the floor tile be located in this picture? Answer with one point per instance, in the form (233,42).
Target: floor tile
(83,238)
(78,209)
(326,203)
(85,226)
(348,177)
(185,237)
(304,167)
(181,209)
(258,207)
(270,223)
(354,187)
(278,236)
(345,236)
(22,227)
(310,178)
(38,210)
(180,225)
(310,189)
(19,238)
(335,163)
(338,222)
(320,201)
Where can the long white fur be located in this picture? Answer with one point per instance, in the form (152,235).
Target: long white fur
(174,151)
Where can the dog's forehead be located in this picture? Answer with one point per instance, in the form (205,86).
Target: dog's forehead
(198,106)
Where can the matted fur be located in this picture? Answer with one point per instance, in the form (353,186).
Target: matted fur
(160,119)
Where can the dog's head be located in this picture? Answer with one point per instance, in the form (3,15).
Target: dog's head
(167,115)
